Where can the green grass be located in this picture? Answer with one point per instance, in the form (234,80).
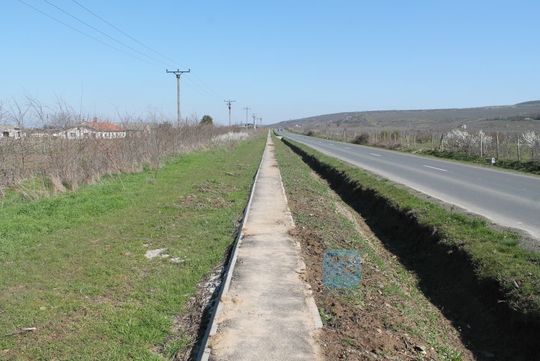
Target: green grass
(494,255)
(314,207)
(73,265)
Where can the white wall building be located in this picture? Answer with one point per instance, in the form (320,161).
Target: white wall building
(9,131)
(93,130)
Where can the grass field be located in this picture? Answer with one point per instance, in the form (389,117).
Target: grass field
(73,266)
(388,317)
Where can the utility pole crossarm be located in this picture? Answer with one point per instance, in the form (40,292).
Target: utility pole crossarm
(178,73)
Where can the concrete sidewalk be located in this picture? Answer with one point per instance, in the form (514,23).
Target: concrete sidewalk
(268,312)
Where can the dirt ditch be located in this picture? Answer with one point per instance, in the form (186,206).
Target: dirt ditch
(373,331)
(489,328)
(193,322)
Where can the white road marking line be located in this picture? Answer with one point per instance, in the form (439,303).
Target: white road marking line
(442,170)
(375,154)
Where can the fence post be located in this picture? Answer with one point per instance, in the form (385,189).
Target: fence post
(497,145)
(518,155)
(481,145)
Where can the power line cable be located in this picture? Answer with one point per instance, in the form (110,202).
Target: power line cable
(198,87)
(209,89)
(82,32)
(103,33)
(195,80)
(123,32)
(201,84)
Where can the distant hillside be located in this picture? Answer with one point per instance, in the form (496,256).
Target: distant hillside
(518,117)
(531,103)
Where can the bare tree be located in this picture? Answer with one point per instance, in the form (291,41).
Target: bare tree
(531,140)
(38,109)
(4,114)
(18,112)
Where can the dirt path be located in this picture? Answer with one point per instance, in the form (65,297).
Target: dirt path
(268,312)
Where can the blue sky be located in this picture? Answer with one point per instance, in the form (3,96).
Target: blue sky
(283,59)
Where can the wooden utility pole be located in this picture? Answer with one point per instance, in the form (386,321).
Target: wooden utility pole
(229,102)
(247,112)
(178,73)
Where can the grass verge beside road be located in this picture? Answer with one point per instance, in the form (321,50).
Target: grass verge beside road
(388,317)
(73,266)
(479,277)
(530,166)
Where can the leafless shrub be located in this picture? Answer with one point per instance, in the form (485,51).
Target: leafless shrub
(511,145)
(60,163)
(362,138)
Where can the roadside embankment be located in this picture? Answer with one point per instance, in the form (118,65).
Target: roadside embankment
(388,316)
(477,276)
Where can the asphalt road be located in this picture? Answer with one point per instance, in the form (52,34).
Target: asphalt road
(506,198)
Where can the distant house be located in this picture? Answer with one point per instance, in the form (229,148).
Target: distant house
(93,130)
(9,131)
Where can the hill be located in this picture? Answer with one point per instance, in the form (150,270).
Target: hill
(517,117)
